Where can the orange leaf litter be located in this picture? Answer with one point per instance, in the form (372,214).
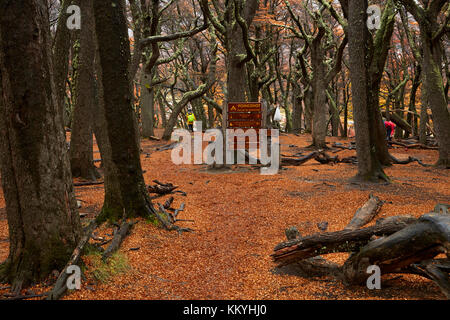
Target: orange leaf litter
(239,217)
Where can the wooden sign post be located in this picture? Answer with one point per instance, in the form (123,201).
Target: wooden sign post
(244,115)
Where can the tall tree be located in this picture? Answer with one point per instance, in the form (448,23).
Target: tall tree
(431,33)
(369,166)
(81,142)
(61,48)
(43,221)
(114,52)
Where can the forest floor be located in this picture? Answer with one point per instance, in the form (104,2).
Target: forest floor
(239,216)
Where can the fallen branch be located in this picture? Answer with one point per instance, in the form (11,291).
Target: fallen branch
(366,213)
(413,145)
(338,241)
(409,160)
(117,240)
(167,220)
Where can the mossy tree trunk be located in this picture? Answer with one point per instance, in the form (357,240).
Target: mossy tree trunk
(431,33)
(44,225)
(114,52)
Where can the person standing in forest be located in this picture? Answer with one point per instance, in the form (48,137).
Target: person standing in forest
(390,128)
(190,119)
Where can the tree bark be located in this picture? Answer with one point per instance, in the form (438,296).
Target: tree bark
(81,142)
(61,57)
(423,240)
(369,166)
(114,51)
(147,104)
(44,225)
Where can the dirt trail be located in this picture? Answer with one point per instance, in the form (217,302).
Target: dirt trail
(240,216)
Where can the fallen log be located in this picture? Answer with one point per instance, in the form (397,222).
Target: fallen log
(366,213)
(437,270)
(338,241)
(159,189)
(117,240)
(298,161)
(168,203)
(167,220)
(60,285)
(167,147)
(427,237)
(409,160)
(413,145)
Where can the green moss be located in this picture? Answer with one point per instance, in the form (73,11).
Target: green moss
(110,214)
(104,271)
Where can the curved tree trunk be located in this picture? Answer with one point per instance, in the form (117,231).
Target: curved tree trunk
(44,225)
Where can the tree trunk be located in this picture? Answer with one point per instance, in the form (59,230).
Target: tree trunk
(369,166)
(61,57)
(147,105)
(114,49)
(297,110)
(308,110)
(319,123)
(112,204)
(44,225)
(435,96)
(81,144)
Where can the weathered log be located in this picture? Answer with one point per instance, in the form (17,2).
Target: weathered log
(158,189)
(177,211)
(352,160)
(324,158)
(298,161)
(117,240)
(366,213)
(437,270)
(413,145)
(409,160)
(167,220)
(60,285)
(338,241)
(422,240)
(167,147)
(311,267)
(168,203)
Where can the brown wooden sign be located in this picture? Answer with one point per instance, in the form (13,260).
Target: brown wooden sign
(244,115)
(244,124)
(244,107)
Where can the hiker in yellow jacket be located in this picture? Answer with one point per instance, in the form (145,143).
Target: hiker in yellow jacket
(190,120)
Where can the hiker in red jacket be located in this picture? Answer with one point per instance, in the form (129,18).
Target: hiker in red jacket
(390,127)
